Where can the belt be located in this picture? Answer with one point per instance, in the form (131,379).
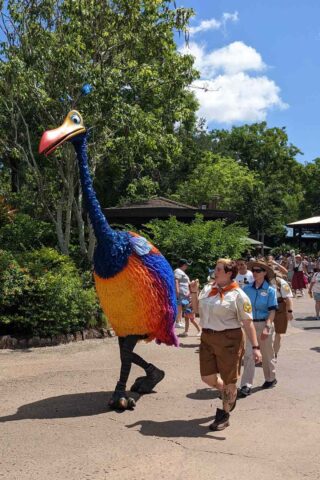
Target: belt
(210,330)
(259,319)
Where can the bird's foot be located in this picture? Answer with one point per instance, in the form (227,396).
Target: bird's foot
(120,401)
(147,383)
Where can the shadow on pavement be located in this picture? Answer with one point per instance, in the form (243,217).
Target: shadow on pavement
(305,319)
(65,406)
(210,394)
(203,394)
(176,428)
(311,328)
(189,345)
(316,349)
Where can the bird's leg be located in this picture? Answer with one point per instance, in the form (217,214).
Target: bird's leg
(119,398)
(153,375)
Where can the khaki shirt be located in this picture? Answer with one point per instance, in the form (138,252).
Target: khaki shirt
(225,314)
(283,289)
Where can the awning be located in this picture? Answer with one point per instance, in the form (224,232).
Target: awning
(256,243)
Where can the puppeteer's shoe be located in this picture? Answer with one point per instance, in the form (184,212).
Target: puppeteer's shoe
(147,383)
(120,401)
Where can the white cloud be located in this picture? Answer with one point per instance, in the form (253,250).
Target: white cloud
(233,17)
(234,58)
(237,98)
(231,87)
(214,24)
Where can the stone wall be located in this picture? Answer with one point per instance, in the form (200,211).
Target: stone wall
(7,341)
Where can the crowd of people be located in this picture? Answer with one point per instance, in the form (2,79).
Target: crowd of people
(243,310)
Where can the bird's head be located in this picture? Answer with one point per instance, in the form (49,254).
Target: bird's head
(71,128)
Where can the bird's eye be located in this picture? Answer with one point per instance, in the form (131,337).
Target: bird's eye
(75,118)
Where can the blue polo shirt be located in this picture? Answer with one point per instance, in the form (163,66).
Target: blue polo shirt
(263,299)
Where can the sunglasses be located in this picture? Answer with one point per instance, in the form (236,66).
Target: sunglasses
(257,270)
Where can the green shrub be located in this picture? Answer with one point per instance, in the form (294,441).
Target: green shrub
(43,294)
(25,233)
(14,281)
(203,242)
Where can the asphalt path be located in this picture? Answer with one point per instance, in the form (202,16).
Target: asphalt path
(55,424)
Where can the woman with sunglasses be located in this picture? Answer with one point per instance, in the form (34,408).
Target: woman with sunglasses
(263,297)
(224,308)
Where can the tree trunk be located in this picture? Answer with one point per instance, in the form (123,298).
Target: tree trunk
(59,229)
(92,242)
(262,240)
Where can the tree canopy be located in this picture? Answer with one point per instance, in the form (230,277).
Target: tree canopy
(145,138)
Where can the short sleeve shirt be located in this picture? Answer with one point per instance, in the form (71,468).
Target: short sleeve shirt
(183,280)
(283,289)
(316,284)
(244,279)
(223,314)
(262,299)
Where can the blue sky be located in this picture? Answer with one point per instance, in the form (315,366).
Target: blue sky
(259,60)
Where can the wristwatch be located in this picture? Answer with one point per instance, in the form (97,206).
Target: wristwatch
(289,311)
(255,347)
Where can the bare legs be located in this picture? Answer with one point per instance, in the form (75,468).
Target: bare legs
(228,392)
(187,320)
(179,316)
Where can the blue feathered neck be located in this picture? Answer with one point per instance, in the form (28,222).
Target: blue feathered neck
(113,247)
(99,222)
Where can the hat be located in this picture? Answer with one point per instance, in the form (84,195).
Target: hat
(279,274)
(265,266)
(184,261)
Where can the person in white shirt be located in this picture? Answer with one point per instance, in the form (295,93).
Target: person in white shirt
(182,282)
(224,309)
(183,293)
(314,289)
(244,275)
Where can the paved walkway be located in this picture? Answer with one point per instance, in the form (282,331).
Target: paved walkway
(54,423)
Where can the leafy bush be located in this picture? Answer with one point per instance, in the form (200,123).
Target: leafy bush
(25,233)
(6,212)
(203,242)
(43,294)
(14,282)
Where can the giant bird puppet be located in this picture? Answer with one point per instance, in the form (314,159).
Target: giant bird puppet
(134,282)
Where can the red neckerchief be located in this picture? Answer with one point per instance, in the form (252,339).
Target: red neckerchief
(223,290)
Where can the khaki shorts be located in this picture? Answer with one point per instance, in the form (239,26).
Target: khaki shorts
(222,352)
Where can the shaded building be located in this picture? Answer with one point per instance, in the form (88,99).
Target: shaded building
(162,208)
(306,231)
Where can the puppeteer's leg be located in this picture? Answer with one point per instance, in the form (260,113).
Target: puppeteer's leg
(153,375)
(119,399)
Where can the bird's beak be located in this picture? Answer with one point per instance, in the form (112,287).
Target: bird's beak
(71,127)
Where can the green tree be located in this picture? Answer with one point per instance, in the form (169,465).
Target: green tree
(223,177)
(311,202)
(268,153)
(126,50)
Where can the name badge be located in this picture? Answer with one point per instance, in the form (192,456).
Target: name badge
(263,294)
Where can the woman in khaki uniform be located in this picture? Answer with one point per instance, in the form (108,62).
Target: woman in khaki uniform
(284,312)
(224,308)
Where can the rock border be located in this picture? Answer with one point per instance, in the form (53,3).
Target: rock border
(13,343)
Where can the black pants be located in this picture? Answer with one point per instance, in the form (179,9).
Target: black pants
(128,357)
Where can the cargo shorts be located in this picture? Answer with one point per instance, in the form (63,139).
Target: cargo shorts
(222,352)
